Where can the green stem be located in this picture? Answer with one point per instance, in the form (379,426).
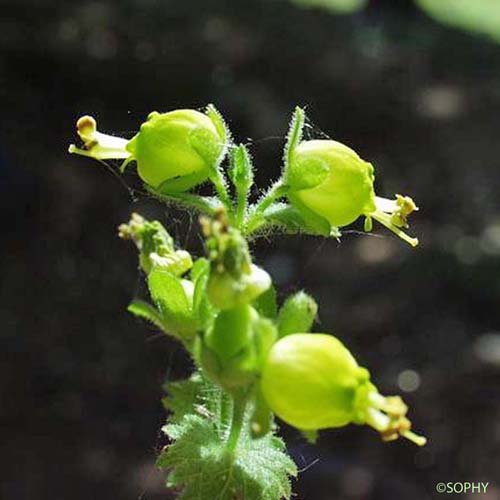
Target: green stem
(239,406)
(224,409)
(256,218)
(188,200)
(219,183)
(241,207)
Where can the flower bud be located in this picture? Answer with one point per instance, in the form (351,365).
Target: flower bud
(155,245)
(345,187)
(297,314)
(233,280)
(311,381)
(176,150)
(226,291)
(329,180)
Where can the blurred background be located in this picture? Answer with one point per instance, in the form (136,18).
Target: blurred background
(413,86)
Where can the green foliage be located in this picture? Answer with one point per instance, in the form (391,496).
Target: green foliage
(172,301)
(183,396)
(199,462)
(146,311)
(203,311)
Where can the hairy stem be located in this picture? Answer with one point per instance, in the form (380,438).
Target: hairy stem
(239,406)
(219,183)
(241,208)
(187,200)
(256,218)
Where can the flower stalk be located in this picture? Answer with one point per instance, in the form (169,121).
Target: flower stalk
(237,421)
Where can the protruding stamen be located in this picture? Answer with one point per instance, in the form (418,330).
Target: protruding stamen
(415,438)
(378,420)
(393,215)
(386,220)
(392,405)
(405,207)
(387,415)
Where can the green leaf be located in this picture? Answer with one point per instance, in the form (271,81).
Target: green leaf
(203,310)
(198,461)
(146,311)
(197,395)
(170,298)
(182,396)
(204,470)
(200,266)
(265,304)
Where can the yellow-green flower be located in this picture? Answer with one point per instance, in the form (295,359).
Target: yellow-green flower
(312,381)
(327,179)
(174,151)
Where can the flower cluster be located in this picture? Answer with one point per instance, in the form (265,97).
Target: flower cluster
(327,185)
(223,307)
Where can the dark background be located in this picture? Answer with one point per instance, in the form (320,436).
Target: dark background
(80,379)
